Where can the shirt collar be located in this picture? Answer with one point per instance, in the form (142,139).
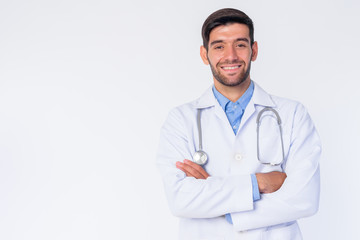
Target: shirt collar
(242,101)
(260,97)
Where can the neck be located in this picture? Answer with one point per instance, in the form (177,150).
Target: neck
(232,93)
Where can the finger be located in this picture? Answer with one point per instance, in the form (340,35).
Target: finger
(197,168)
(180,165)
(190,171)
(195,172)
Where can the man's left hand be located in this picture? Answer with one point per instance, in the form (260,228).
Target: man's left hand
(192,169)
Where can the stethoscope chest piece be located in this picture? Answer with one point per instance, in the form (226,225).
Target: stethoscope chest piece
(200,157)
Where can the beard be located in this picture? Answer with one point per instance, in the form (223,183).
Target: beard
(224,80)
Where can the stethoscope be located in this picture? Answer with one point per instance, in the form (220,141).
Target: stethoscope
(200,157)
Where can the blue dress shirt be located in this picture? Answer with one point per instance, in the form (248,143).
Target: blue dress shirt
(234,112)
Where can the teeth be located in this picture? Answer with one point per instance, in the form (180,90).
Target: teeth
(229,68)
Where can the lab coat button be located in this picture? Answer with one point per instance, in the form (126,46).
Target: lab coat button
(238,157)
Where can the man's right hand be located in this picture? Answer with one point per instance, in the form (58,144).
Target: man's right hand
(270,182)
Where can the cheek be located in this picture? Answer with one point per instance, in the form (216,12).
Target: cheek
(215,54)
(214,59)
(245,55)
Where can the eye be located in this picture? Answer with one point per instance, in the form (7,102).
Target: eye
(218,47)
(241,45)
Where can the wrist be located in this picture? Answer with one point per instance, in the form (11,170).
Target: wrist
(259,178)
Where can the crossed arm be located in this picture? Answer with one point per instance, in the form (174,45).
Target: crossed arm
(290,199)
(268,182)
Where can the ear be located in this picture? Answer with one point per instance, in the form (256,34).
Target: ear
(203,55)
(254,51)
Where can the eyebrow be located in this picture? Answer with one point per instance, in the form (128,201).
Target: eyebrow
(237,40)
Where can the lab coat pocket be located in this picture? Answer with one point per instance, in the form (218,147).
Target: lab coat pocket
(286,231)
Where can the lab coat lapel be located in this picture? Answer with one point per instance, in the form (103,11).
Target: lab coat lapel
(259,98)
(262,98)
(249,111)
(208,100)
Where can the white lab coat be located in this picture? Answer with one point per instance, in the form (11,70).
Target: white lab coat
(202,204)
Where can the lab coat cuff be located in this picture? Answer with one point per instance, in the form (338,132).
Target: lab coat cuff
(243,200)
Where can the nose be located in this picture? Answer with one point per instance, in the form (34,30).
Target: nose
(230,54)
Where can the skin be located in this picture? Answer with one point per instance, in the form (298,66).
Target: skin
(230,55)
(192,169)
(229,47)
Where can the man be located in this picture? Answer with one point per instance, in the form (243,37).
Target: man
(262,172)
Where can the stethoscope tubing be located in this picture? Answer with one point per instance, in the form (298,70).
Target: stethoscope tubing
(199,128)
(258,123)
(200,157)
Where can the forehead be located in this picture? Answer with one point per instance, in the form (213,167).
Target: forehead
(229,32)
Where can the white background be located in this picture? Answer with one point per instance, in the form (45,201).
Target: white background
(86,85)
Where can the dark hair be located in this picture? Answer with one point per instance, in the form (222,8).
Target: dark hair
(223,17)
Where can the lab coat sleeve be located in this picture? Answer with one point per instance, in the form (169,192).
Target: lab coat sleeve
(196,198)
(298,197)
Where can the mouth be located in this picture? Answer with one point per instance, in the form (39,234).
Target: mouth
(231,68)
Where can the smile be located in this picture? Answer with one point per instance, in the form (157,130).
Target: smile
(231,68)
